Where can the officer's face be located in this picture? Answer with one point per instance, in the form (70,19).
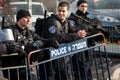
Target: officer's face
(62,13)
(82,7)
(24,22)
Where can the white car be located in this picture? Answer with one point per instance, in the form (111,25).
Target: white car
(37,9)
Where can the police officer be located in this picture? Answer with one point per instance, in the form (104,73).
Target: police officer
(81,21)
(79,18)
(91,26)
(25,40)
(58,27)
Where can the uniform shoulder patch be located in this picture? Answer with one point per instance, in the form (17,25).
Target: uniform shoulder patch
(72,22)
(52,29)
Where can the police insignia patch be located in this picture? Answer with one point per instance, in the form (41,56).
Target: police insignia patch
(72,22)
(52,29)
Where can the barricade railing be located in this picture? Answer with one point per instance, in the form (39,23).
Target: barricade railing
(18,72)
(14,73)
(73,61)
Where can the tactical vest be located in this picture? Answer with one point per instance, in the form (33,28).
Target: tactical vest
(22,36)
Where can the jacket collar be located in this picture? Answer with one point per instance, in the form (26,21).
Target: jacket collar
(78,12)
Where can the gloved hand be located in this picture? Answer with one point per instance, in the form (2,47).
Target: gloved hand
(34,46)
(55,43)
(13,47)
(51,42)
(30,47)
(21,52)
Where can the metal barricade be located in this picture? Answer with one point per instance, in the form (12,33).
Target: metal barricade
(13,72)
(73,61)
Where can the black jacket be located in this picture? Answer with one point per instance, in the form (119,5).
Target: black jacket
(92,26)
(83,15)
(26,36)
(27,41)
(63,32)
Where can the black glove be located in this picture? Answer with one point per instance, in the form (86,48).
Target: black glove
(13,47)
(21,52)
(29,47)
(34,46)
(51,42)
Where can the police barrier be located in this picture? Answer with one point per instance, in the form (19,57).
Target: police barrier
(73,61)
(13,72)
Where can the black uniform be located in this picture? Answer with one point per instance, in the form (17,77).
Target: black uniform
(63,32)
(91,26)
(23,44)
